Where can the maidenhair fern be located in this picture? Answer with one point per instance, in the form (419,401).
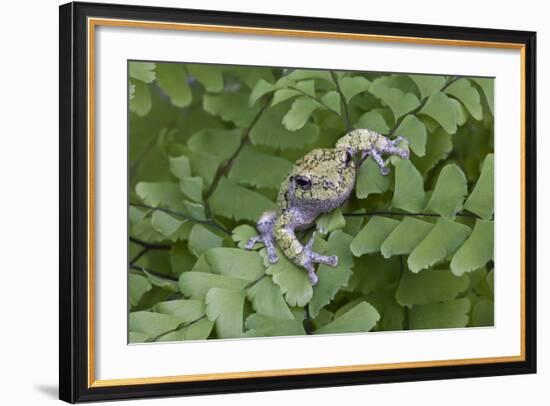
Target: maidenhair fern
(209,147)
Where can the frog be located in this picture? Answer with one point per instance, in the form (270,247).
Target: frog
(318,183)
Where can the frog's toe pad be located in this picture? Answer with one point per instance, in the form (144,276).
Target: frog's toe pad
(251,242)
(272,257)
(332,261)
(313,278)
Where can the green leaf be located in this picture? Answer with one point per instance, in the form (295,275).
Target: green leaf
(151,323)
(180,166)
(409,187)
(428,84)
(260,89)
(371,237)
(481,200)
(476,251)
(134,337)
(301,74)
(360,318)
(399,103)
(299,113)
(236,263)
(451,314)
(332,100)
(352,86)
(143,71)
(373,120)
(440,243)
(483,314)
(307,87)
(467,95)
(284,94)
(415,131)
(251,74)
(140,103)
(430,286)
(260,325)
(165,223)
(373,273)
(241,234)
(370,180)
(259,169)
(198,330)
(181,259)
(184,310)
(405,237)
(488,87)
(270,131)
(163,283)
(172,79)
(192,187)
(461,115)
(209,76)
(292,280)
(449,193)
(267,299)
(160,193)
(330,222)
(137,287)
(234,201)
(232,107)
(440,107)
(202,239)
(331,280)
(197,284)
(218,142)
(225,308)
(438,146)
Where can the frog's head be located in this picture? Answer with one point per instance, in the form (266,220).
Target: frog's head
(323,177)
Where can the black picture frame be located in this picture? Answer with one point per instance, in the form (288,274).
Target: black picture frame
(74,200)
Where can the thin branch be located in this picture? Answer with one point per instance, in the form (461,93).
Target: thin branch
(150,245)
(178,327)
(255,281)
(144,270)
(209,222)
(420,106)
(398,213)
(347,120)
(222,171)
(322,103)
(144,251)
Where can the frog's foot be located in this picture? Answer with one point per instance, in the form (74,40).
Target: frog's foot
(394,149)
(309,258)
(384,170)
(265,227)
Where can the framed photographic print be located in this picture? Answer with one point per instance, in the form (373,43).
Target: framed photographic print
(257,202)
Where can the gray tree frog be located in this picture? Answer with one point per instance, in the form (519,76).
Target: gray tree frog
(318,183)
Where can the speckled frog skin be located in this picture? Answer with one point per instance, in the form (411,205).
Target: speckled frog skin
(318,183)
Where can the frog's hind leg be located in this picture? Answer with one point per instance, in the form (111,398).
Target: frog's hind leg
(265,227)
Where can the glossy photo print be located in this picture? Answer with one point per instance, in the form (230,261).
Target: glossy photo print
(269,201)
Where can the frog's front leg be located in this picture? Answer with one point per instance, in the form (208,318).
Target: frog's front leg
(291,247)
(265,227)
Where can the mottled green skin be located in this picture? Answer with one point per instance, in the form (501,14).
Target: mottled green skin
(332,180)
(318,183)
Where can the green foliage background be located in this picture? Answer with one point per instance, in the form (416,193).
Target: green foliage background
(209,147)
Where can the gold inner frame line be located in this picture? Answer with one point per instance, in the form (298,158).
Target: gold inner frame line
(94,22)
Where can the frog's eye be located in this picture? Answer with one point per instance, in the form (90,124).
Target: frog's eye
(348,158)
(303,182)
